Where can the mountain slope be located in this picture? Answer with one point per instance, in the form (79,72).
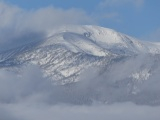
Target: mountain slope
(110,66)
(106,39)
(68,50)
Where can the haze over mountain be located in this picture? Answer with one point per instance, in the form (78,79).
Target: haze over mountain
(91,63)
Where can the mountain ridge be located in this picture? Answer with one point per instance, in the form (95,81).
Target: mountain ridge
(92,63)
(69,50)
(107,38)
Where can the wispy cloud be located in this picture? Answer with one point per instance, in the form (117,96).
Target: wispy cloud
(32,97)
(121,111)
(16,22)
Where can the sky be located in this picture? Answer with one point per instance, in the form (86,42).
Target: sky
(138,18)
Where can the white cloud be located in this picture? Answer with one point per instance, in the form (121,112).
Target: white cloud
(121,111)
(110,85)
(30,96)
(41,19)
(17,23)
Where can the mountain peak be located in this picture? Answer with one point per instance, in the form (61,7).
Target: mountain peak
(104,60)
(68,50)
(98,41)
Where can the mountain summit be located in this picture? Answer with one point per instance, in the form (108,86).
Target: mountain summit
(98,41)
(112,66)
(68,50)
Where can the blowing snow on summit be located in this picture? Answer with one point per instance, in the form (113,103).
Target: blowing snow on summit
(56,64)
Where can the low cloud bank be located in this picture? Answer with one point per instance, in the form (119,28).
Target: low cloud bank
(27,111)
(30,96)
(19,26)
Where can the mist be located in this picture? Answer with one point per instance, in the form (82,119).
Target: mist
(19,26)
(101,93)
(60,112)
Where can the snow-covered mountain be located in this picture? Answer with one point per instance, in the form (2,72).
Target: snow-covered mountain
(69,52)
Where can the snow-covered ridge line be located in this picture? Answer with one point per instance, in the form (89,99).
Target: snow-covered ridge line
(99,41)
(95,40)
(68,50)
